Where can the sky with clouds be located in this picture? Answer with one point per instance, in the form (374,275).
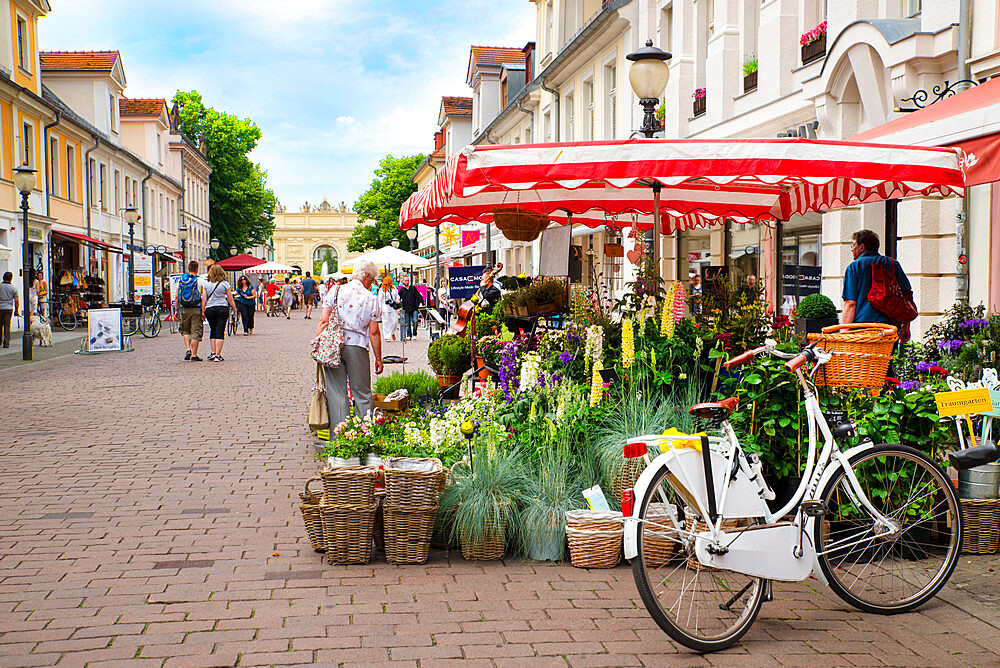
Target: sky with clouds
(333,84)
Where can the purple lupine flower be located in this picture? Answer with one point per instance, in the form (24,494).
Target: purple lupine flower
(508,369)
(922,367)
(565,358)
(951,345)
(909,385)
(974,323)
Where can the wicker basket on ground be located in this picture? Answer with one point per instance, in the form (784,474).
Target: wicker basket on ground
(408,534)
(312,517)
(981,530)
(519,224)
(413,482)
(349,485)
(348,532)
(861,354)
(659,538)
(488,547)
(595,538)
(378,533)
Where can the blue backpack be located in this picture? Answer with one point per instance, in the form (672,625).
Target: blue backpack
(189,294)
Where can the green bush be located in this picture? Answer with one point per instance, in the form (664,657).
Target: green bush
(450,355)
(417,383)
(816,306)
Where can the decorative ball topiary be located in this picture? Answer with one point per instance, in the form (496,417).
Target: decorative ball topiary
(816,306)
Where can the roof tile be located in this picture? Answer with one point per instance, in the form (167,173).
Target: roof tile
(496,55)
(141,106)
(456,106)
(78,60)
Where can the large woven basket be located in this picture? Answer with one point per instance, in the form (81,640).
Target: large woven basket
(628,472)
(861,354)
(595,538)
(349,485)
(348,532)
(519,224)
(413,482)
(408,534)
(659,538)
(489,547)
(981,532)
(311,516)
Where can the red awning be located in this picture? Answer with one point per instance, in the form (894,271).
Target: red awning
(240,262)
(969,120)
(90,241)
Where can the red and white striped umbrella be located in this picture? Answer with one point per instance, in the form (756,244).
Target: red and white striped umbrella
(703,182)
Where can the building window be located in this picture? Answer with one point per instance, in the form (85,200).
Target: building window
(91,192)
(23,37)
(588,110)
(710,18)
(70,172)
(159,147)
(104,187)
(547,127)
(911,8)
(113,110)
(128,191)
(527,135)
(570,119)
(751,26)
(611,106)
(549,24)
(135,198)
(118,195)
(54,166)
(28,145)
(667,28)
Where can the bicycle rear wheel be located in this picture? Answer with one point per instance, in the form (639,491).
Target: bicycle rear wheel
(67,319)
(147,324)
(130,326)
(907,567)
(705,609)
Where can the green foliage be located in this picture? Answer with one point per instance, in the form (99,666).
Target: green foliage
(549,493)
(816,305)
(450,355)
(240,204)
(417,383)
(331,263)
(380,204)
(749,64)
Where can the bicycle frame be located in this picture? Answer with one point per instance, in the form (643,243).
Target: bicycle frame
(818,470)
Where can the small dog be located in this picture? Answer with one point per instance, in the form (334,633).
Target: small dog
(41,331)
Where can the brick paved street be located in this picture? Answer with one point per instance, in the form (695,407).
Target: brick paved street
(149,517)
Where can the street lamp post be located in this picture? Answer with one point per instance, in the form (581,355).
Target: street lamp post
(24,180)
(648,77)
(131,217)
(233,250)
(214,243)
(182,234)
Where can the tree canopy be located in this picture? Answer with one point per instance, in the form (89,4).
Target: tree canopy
(241,206)
(380,204)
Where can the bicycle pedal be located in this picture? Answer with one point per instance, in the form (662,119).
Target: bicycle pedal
(814,508)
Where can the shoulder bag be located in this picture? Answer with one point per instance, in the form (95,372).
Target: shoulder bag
(326,347)
(886,296)
(319,413)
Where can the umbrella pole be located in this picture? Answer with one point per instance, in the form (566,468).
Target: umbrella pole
(657,233)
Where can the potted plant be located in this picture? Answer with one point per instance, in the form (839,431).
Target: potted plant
(350,442)
(449,356)
(699,101)
(548,495)
(486,505)
(488,350)
(813,44)
(545,295)
(749,72)
(813,313)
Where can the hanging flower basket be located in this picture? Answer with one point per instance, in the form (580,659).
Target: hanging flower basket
(699,102)
(813,44)
(519,224)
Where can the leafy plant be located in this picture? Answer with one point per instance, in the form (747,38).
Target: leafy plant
(417,383)
(549,493)
(749,64)
(699,93)
(816,305)
(450,355)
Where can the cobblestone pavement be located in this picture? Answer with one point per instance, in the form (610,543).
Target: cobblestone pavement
(149,517)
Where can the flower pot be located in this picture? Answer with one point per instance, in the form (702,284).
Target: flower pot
(814,50)
(448,381)
(343,461)
(489,547)
(484,374)
(373,460)
(544,543)
(698,106)
(749,82)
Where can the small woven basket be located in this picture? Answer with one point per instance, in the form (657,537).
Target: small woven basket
(519,224)
(489,547)
(311,516)
(981,532)
(348,531)
(408,534)
(349,485)
(659,538)
(595,538)
(861,355)
(413,482)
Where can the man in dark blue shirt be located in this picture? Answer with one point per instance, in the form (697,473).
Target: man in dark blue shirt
(858,281)
(308,294)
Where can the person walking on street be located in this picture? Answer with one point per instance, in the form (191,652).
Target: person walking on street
(287,298)
(321,290)
(246,297)
(411,301)
(361,313)
(9,303)
(187,306)
(858,283)
(261,291)
(389,296)
(216,300)
(308,294)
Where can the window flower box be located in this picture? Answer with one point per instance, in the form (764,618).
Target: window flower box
(699,102)
(813,44)
(749,82)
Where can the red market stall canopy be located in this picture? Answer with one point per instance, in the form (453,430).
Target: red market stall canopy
(240,262)
(90,241)
(701,182)
(969,120)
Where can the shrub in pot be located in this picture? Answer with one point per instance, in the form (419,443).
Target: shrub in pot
(449,355)
(548,495)
(813,313)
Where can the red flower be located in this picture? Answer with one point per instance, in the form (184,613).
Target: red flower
(889,380)
(940,370)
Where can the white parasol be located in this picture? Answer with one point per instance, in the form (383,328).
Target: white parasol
(269,268)
(388,256)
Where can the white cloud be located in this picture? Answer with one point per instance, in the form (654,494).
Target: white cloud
(334,84)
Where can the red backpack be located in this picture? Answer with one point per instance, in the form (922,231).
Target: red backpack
(886,295)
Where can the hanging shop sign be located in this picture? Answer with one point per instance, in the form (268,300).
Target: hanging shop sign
(104,329)
(464,281)
(799,280)
(143,274)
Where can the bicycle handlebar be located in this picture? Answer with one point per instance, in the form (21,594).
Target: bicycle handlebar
(770,347)
(739,360)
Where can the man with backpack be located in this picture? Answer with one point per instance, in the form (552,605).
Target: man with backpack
(189,313)
(875,287)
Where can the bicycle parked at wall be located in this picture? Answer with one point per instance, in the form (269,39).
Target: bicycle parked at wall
(150,322)
(879,524)
(70,311)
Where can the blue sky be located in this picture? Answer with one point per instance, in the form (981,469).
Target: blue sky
(333,84)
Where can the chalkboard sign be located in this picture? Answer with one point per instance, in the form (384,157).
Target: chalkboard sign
(800,280)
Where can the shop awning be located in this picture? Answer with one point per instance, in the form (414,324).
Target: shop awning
(969,120)
(90,241)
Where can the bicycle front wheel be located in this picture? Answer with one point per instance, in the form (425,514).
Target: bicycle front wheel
(146,324)
(67,319)
(130,326)
(905,568)
(705,609)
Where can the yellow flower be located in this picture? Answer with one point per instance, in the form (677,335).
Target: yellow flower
(628,343)
(596,385)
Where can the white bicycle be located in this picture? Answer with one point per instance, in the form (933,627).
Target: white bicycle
(879,524)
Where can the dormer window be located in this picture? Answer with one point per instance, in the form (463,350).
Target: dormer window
(113,108)
(23,45)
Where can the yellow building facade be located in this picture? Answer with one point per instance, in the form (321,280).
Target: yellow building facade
(303,236)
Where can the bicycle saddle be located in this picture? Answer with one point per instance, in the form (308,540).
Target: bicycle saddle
(713,410)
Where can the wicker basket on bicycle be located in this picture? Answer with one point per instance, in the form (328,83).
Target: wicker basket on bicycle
(861,354)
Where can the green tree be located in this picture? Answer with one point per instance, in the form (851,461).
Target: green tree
(379,205)
(241,205)
(331,263)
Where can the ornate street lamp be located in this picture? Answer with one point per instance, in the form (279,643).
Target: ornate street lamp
(182,234)
(648,77)
(131,217)
(24,180)
(394,243)
(214,243)
(233,250)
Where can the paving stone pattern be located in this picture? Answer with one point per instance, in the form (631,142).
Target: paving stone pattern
(148,516)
